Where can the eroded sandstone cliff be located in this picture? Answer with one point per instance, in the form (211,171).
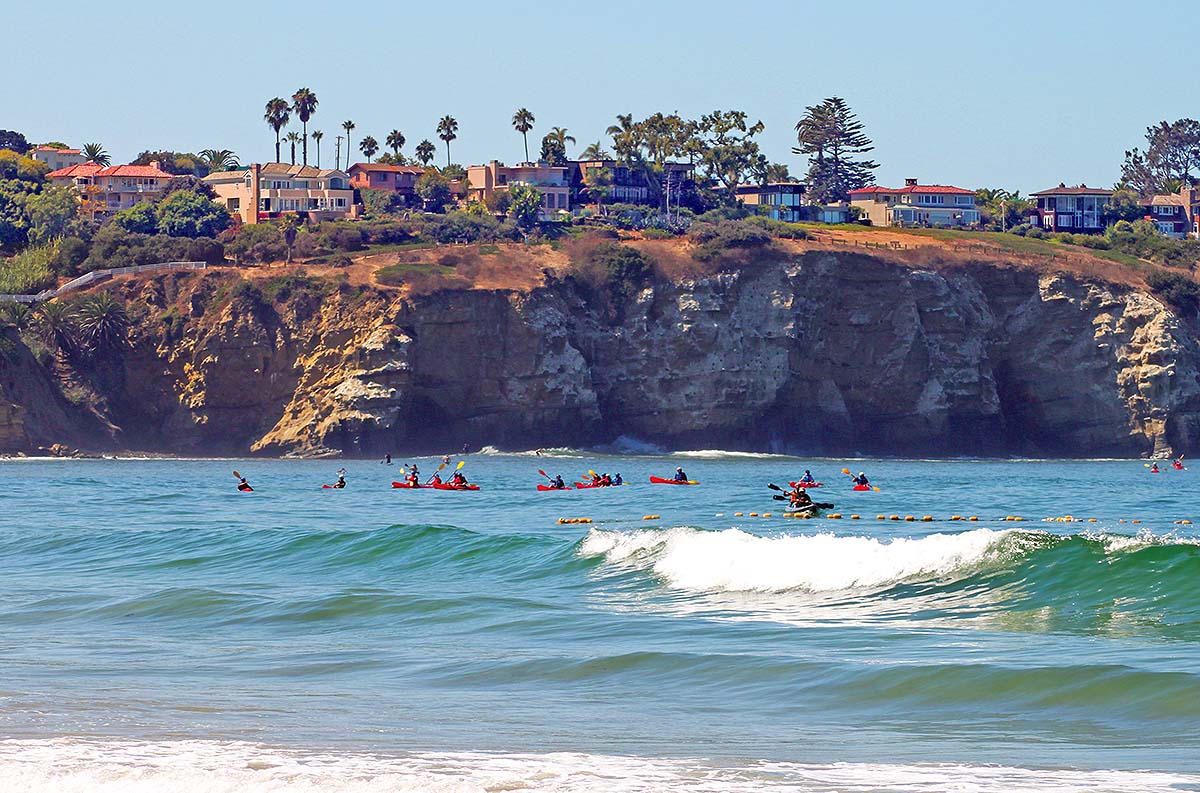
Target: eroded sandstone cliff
(819,352)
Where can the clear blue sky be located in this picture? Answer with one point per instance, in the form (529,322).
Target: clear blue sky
(998,94)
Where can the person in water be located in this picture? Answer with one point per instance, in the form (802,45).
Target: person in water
(807,479)
(243,485)
(861,479)
(617,480)
(680,476)
(387,459)
(558,483)
(445,459)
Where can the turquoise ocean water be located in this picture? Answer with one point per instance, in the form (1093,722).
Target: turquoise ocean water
(160,631)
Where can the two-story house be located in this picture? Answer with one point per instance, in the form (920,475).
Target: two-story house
(1174,214)
(266,191)
(916,204)
(399,179)
(630,185)
(109,188)
(549,180)
(57,158)
(783,200)
(1079,210)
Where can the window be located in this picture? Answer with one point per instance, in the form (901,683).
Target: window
(562,200)
(933,199)
(1166,228)
(1066,203)
(340,203)
(1165,211)
(1065,221)
(965,200)
(235,204)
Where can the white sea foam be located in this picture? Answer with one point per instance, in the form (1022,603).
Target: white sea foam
(736,561)
(92,766)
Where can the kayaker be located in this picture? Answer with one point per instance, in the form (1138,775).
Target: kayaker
(436,479)
(341,482)
(606,480)
(445,459)
(558,483)
(416,472)
(243,485)
(799,498)
(807,479)
(458,480)
(387,459)
(596,480)
(617,480)
(1154,468)
(1178,464)
(861,479)
(680,476)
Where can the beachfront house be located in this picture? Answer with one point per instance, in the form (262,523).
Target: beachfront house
(549,180)
(916,205)
(57,158)
(1079,209)
(1175,214)
(781,200)
(104,189)
(398,179)
(270,190)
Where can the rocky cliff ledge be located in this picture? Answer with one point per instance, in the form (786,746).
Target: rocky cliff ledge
(813,352)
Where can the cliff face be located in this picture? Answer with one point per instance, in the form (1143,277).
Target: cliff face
(822,353)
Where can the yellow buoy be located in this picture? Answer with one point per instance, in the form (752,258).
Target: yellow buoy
(1091,520)
(973,517)
(754,514)
(835,516)
(854,517)
(737,514)
(927,518)
(881,517)
(893,517)
(909,518)
(766,514)
(1135,521)
(1185,523)
(956,517)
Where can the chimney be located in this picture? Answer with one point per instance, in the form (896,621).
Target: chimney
(910,182)
(156,165)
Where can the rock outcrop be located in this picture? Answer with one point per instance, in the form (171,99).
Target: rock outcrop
(820,352)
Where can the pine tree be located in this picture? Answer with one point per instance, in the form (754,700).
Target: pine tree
(831,136)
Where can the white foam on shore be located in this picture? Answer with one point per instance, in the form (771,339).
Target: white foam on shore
(736,561)
(69,765)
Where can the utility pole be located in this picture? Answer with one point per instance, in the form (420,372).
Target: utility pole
(1003,216)
(337,160)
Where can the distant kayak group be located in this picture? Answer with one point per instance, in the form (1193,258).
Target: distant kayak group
(1176,464)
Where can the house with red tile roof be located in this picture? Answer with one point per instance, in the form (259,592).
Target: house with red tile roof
(399,179)
(55,157)
(271,190)
(110,188)
(916,205)
(1079,209)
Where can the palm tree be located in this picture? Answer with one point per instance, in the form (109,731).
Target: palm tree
(395,141)
(293,138)
(316,136)
(277,116)
(559,135)
(56,325)
(102,322)
(347,125)
(368,146)
(425,152)
(291,228)
(625,136)
(522,122)
(219,159)
(94,152)
(447,130)
(19,315)
(304,102)
(595,151)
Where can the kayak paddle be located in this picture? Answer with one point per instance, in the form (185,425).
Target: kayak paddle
(776,487)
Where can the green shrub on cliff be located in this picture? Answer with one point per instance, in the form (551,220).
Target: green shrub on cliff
(713,241)
(1179,291)
(30,271)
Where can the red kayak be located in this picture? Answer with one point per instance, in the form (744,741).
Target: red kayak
(448,486)
(806,484)
(861,487)
(658,480)
(331,487)
(410,486)
(544,488)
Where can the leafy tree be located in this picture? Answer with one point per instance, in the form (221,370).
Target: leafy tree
(18,166)
(14,141)
(447,130)
(14,223)
(454,171)
(434,190)
(219,159)
(599,184)
(553,151)
(293,138)
(141,218)
(186,182)
(30,271)
(94,152)
(395,141)
(176,162)
(290,226)
(1123,204)
(425,152)
(304,102)
(1002,209)
(832,138)
(498,202)
(52,213)
(1172,153)
(776,172)
(316,135)
(102,323)
(522,122)
(596,151)
(731,156)
(368,146)
(525,206)
(379,202)
(188,214)
(277,116)
(349,127)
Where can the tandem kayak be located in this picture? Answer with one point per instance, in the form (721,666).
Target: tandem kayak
(658,480)
(411,486)
(448,486)
(807,484)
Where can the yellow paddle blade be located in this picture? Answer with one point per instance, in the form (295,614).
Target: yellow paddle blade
(460,465)
(846,471)
(875,488)
(592,473)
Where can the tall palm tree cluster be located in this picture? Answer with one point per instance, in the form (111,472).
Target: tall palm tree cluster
(279,112)
(96,325)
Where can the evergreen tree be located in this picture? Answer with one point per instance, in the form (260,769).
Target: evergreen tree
(1172,156)
(832,137)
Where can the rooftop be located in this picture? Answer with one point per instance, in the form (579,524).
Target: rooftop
(379,166)
(1082,189)
(56,149)
(91,169)
(913,188)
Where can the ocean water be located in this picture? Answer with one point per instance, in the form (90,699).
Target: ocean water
(161,631)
